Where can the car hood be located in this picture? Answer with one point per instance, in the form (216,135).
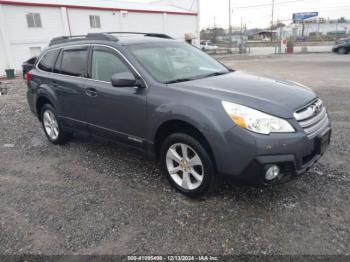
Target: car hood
(277,97)
(345,44)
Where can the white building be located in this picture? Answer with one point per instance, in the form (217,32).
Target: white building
(26,26)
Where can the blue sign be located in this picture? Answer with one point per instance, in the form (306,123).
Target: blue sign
(300,17)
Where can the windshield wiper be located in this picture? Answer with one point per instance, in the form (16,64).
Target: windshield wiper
(216,74)
(194,78)
(179,80)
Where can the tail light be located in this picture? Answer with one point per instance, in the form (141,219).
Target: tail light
(29,76)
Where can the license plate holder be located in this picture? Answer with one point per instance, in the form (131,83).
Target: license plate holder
(322,142)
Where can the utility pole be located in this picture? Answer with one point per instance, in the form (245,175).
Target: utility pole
(230,23)
(272,14)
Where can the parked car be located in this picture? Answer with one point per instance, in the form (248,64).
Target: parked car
(207,45)
(28,65)
(342,46)
(179,105)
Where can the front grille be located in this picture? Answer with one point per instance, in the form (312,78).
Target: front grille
(312,118)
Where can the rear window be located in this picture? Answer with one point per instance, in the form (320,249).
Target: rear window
(48,60)
(74,62)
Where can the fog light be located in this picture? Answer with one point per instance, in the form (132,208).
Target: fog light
(272,172)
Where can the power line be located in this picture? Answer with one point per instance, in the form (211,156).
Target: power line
(261,5)
(279,3)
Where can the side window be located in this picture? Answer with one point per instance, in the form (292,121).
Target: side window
(74,62)
(47,62)
(57,66)
(105,64)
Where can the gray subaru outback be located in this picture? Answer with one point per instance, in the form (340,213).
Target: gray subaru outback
(179,105)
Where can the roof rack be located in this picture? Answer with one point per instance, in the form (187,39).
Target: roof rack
(90,36)
(100,36)
(159,35)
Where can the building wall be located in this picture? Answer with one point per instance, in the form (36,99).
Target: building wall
(191,6)
(140,22)
(178,25)
(79,20)
(22,38)
(2,56)
(25,42)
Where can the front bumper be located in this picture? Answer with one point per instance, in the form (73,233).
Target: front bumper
(250,157)
(291,166)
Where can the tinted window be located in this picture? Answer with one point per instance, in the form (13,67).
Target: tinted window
(106,64)
(57,67)
(48,60)
(74,62)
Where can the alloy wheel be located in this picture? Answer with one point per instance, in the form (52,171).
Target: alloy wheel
(185,166)
(50,125)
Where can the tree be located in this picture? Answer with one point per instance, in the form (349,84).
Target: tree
(212,33)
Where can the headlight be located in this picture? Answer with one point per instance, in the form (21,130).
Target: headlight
(255,120)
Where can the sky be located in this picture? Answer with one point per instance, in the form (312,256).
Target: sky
(242,10)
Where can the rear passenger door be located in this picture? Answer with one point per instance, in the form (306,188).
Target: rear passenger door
(70,74)
(116,112)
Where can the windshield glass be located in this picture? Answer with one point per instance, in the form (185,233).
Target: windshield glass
(176,62)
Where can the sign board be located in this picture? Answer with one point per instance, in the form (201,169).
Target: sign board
(300,17)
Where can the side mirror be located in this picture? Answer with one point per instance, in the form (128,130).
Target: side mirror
(125,79)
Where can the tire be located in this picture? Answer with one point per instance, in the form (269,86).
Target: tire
(49,122)
(191,180)
(342,51)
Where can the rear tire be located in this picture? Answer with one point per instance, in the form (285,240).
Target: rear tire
(342,51)
(187,165)
(52,127)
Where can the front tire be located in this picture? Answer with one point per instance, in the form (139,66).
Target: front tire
(187,165)
(342,51)
(52,128)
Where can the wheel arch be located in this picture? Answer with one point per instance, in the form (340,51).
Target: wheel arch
(180,126)
(45,95)
(41,101)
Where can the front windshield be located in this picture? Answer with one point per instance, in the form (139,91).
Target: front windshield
(176,62)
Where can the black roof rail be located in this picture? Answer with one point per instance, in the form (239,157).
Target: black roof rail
(90,36)
(101,36)
(63,39)
(160,35)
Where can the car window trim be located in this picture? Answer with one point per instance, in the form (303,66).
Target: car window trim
(123,57)
(109,51)
(54,63)
(58,61)
(72,49)
(90,45)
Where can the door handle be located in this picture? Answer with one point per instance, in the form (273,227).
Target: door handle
(91,92)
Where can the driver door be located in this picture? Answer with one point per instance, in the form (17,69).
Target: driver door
(115,112)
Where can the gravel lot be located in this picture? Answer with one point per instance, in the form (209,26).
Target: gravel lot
(91,197)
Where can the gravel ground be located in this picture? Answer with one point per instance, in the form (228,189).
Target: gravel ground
(91,197)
